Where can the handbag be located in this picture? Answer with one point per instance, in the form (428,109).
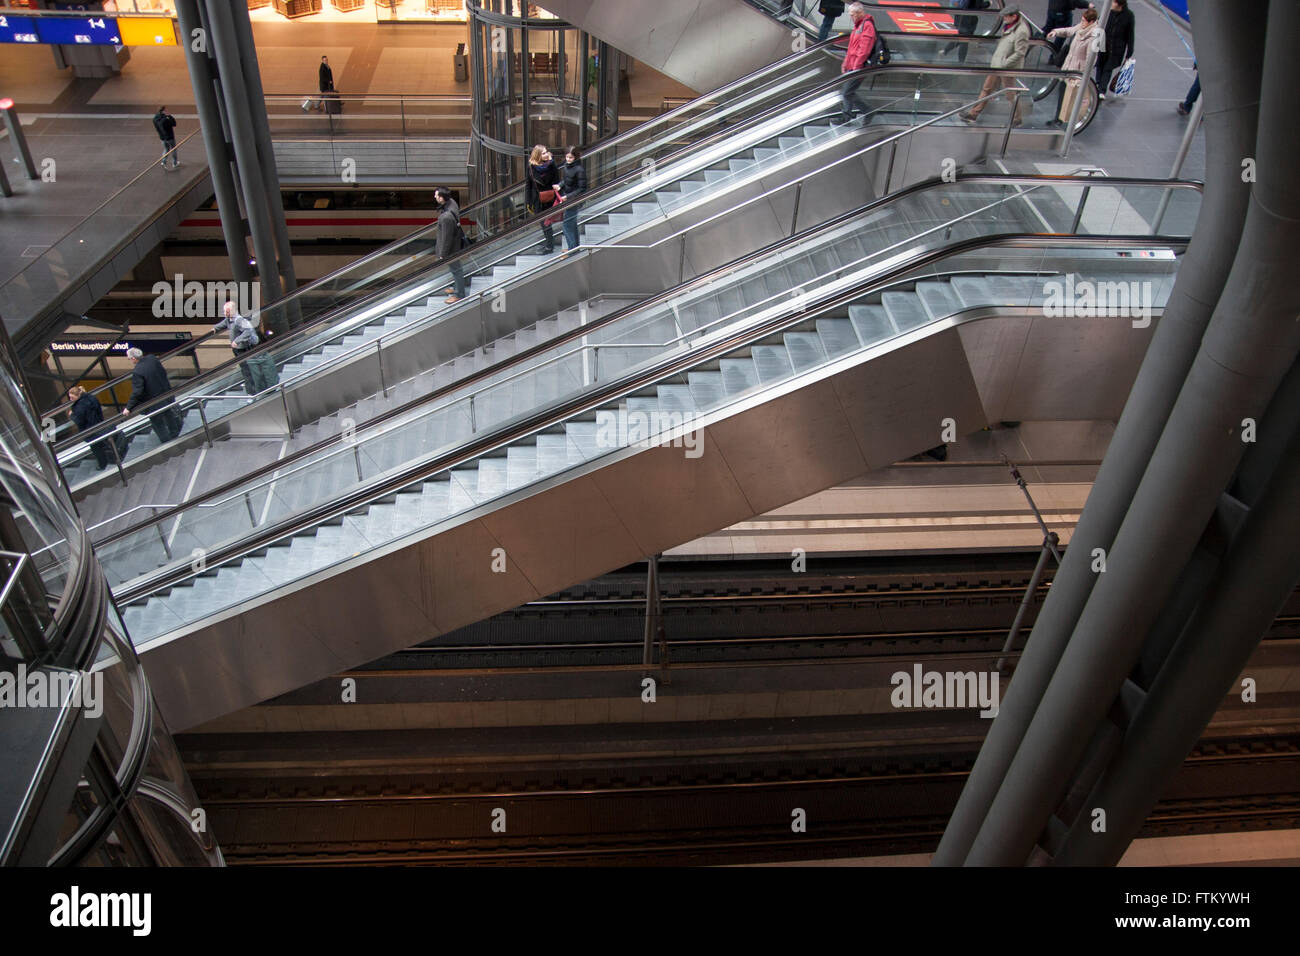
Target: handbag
(1121,83)
(552,220)
(546,195)
(306,104)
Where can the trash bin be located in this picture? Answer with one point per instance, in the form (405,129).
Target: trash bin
(461,63)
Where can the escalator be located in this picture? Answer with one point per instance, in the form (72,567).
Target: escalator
(779,374)
(791,166)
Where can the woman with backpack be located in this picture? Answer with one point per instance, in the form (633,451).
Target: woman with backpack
(539,191)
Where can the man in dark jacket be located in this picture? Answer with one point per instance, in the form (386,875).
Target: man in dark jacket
(86,413)
(450,241)
(165,124)
(148,381)
(830,11)
(325,80)
(1119,43)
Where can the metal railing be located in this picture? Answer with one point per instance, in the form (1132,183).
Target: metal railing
(432,403)
(378,344)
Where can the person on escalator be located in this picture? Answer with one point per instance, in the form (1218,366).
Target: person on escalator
(1060,14)
(862,43)
(831,10)
(149,381)
(1009,54)
(539,191)
(573,183)
(966,26)
(243,338)
(86,413)
(1084,37)
(451,240)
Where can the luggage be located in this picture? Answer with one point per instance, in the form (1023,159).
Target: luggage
(333,105)
(265,374)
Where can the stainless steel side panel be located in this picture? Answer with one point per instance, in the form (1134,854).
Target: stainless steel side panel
(863,412)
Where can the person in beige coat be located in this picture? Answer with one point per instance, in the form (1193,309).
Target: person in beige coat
(1086,35)
(1009,54)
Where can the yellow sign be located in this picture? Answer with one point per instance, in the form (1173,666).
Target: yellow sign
(147,31)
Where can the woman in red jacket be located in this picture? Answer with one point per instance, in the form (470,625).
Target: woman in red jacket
(861,42)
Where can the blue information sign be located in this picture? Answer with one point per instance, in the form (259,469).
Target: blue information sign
(18,30)
(73,31)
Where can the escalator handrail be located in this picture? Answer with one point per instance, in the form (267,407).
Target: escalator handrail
(523,356)
(544,419)
(160,402)
(493,197)
(488,441)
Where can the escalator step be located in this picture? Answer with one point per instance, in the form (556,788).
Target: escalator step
(772,362)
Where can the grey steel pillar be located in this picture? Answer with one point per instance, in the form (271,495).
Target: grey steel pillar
(262,136)
(1248,348)
(1230,65)
(214,141)
(1257,576)
(226,51)
(19,138)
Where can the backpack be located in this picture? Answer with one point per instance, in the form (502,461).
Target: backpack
(880,54)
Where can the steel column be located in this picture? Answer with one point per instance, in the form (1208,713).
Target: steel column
(225,49)
(214,141)
(1249,346)
(1230,43)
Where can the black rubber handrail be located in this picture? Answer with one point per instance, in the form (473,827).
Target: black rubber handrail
(519,358)
(523,225)
(589,400)
(386,250)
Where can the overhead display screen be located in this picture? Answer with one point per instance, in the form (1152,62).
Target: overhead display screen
(18,30)
(97,31)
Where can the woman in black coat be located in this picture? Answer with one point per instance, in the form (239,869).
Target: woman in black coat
(539,190)
(1119,43)
(573,183)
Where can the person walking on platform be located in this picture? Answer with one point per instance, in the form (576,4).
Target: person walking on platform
(1083,38)
(1119,43)
(1009,54)
(539,191)
(862,43)
(1060,13)
(325,81)
(149,381)
(86,413)
(451,240)
(831,10)
(1193,94)
(243,338)
(165,124)
(573,183)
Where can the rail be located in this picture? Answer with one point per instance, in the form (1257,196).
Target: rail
(424,286)
(890,268)
(378,344)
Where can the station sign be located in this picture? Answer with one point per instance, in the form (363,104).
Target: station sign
(88,343)
(89,31)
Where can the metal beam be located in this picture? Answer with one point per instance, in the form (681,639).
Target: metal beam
(223,181)
(1248,348)
(1231,71)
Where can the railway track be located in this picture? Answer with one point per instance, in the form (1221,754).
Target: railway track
(698,820)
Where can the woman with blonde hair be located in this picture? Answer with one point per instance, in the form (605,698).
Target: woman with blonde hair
(539,190)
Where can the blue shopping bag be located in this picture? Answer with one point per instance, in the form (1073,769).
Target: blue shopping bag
(1122,84)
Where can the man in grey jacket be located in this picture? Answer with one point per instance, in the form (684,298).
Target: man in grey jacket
(450,241)
(243,338)
(1009,54)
